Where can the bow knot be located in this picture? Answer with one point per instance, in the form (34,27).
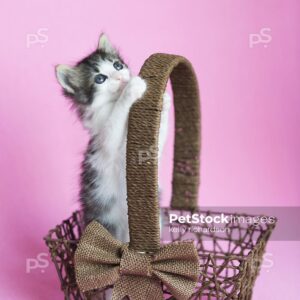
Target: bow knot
(135,263)
(101,261)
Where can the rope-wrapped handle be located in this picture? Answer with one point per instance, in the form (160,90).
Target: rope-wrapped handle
(143,132)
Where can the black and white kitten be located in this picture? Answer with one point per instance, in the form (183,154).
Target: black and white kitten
(102,90)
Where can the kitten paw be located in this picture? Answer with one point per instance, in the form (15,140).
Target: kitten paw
(136,87)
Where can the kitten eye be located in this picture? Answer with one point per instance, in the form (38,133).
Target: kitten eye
(118,66)
(100,78)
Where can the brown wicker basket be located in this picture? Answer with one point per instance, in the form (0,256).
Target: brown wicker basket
(229,257)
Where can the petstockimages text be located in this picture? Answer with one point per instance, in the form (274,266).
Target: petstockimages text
(221,218)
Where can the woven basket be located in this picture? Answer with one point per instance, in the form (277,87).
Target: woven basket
(229,259)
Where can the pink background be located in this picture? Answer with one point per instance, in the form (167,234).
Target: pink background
(250,104)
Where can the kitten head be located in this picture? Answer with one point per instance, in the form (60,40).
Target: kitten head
(97,79)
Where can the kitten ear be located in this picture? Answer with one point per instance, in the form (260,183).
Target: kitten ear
(65,76)
(105,44)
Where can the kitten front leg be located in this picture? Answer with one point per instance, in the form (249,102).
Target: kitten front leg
(116,127)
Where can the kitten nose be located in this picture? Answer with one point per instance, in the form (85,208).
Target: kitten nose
(119,77)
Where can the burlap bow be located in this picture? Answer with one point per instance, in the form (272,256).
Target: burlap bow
(101,260)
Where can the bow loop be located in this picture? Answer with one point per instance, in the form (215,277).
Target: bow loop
(101,260)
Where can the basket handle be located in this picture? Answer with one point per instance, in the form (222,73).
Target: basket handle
(143,131)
